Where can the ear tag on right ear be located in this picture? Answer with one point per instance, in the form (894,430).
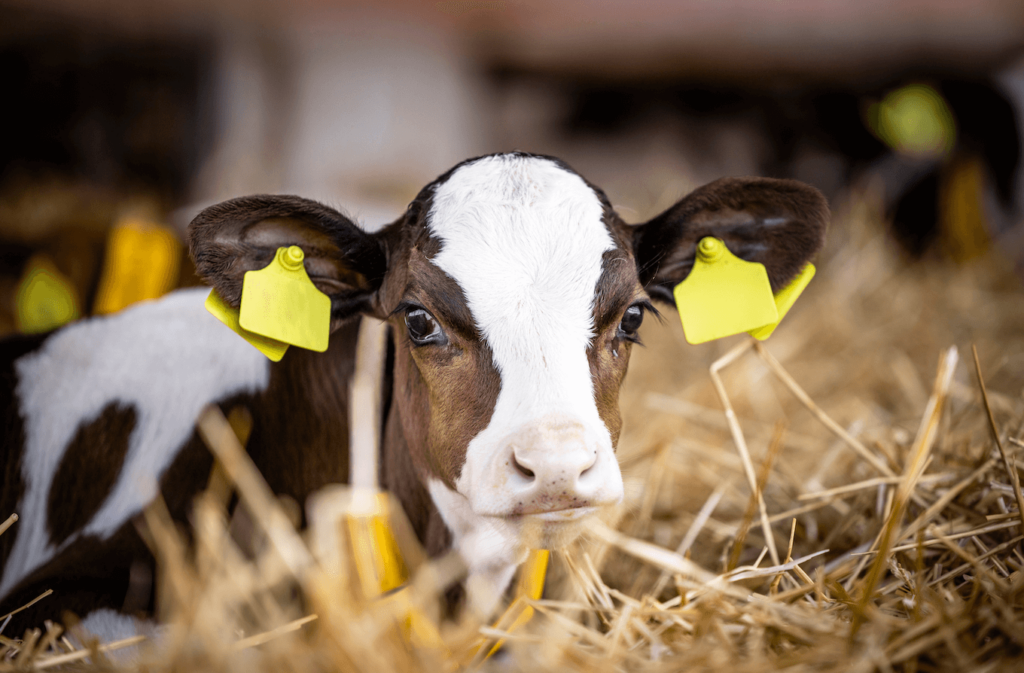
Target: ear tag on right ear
(784,300)
(281,302)
(229,316)
(723,295)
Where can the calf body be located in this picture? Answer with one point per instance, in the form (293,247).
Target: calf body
(514,293)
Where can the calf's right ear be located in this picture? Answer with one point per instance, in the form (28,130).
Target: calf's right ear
(343,261)
(778,223)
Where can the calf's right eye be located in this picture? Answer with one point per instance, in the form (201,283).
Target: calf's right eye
(424,328)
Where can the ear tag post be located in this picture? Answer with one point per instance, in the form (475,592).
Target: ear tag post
(723,295)
(280,302)
(228,315)
(784,301)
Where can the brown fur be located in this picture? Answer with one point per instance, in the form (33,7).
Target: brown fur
(89,470)
(444,396)
(617,289)
(12,435)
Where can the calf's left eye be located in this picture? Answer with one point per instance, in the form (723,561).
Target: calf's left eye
(631,321)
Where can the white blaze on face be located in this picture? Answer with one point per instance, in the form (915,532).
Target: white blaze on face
(524,238)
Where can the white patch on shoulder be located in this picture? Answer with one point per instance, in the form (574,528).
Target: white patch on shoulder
(167,358)
(109,626)
(524,238)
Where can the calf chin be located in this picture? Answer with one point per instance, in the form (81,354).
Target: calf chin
(492,546)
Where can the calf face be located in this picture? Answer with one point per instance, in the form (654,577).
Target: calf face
(515,293)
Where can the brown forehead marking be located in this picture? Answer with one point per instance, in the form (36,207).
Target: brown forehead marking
(439,293)
(445,397)
(617,288)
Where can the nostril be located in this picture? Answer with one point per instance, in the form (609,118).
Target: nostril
(590,465)
(521,469)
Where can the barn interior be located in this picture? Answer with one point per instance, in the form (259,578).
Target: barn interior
(858,507)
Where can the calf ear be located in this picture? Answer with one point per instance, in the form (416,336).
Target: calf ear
(778,223)
(343,261)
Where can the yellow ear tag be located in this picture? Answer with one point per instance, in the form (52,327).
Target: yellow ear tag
(141,263)
(281,302)
(784,300)
(46,299)
(228,315)
(723,295)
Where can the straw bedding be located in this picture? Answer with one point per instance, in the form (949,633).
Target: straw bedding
(887,480)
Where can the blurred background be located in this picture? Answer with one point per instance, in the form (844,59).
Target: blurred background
(122,119)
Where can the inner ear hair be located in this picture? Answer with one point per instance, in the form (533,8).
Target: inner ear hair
(778,223)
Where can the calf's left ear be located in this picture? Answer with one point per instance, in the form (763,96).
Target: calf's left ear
(343,261)
(778,223)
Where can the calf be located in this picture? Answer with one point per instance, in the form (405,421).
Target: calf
(514,293)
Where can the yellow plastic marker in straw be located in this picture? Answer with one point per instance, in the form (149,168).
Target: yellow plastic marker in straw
(378,561)
(228,315)
(418,628)
(530,587)
(46,299)
(281,302)
(784,300)
(142,261)
(723,295)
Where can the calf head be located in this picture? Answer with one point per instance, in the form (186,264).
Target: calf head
(515,293)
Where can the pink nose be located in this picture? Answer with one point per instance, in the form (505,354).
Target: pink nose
(551,470)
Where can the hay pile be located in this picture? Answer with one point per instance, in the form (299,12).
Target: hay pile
(882,533)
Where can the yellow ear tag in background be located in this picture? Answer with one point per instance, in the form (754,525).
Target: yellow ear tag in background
(784,300)
(281,302)
(141,263)
(723,295)
(46,299)
(228,315)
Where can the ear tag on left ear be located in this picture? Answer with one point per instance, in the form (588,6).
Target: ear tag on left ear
(784,300)
(723,295)
(228,315)
(280,302)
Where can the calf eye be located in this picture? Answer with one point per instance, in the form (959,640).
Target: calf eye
(423,328)
(631,321)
